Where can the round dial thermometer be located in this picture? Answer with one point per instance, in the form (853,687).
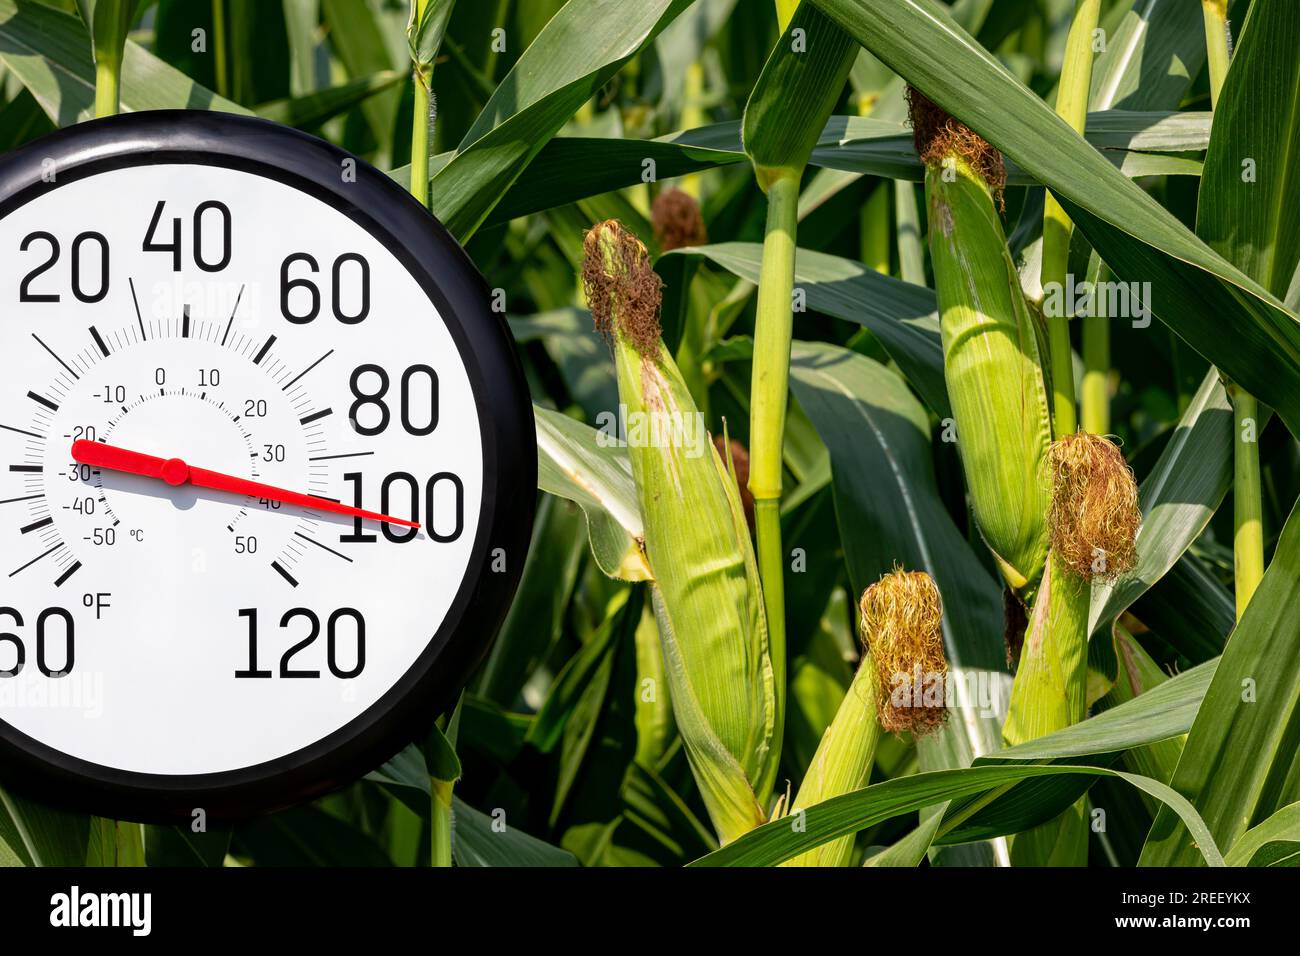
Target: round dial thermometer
(267,466)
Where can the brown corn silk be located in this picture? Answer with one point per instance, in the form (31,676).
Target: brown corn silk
(902,616)
(675,217)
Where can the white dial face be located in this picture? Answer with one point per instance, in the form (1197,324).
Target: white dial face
(251,330)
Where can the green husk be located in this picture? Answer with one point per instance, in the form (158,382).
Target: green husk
(1093,524)
(899,686)
(1049,694)
(707,597)
(654,714)
(993,369)
(1050,690)
(842,762)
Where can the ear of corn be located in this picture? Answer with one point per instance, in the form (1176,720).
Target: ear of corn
(899,685)
(992,360)
(1093,523)
(707,597)
(1050,690)
(1050,693)
(842,762)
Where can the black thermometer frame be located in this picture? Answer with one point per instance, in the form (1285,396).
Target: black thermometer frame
(453,284)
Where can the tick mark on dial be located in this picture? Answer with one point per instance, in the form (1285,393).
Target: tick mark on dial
(131,282)
(35,559)
(21,431)
(286,387)
(99,341)
(275,564)
(257,359)
(324,547)
(232,315)
(351,454)
(315,416)
(76,566)
(55,357)
(185,323)
(27,469)
(43,401)
(35,526)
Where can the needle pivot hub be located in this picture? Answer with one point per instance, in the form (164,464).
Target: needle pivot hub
(175,471)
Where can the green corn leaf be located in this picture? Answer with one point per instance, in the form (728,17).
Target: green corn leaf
(357,37)
(313,109)
(32,834)
(1216,308)
(181,846)
(886,500)
(840,816)
(300,20)
(796,93)
(22,120)
(577,51)
(536,616)
(902,315)
(574,463)
(848,145)
(1153,52)
(1137,674)
(653,807)
(577,348)
(482,840)
(580,674)
(47,50)
(1153,718)
(1238,763)
(255,43)
(1249,209)
(1275,842)
(1162,712)
(1177,498)
(307,836)
(115,843)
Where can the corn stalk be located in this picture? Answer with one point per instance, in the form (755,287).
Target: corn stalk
(1072,106)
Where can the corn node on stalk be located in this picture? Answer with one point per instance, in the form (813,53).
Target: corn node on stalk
(993,364)
(707,597)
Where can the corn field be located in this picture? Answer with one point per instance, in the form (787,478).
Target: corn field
(916,388)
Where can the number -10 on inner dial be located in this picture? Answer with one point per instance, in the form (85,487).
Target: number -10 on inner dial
(254,465)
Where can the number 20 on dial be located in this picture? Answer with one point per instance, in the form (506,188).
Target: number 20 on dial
(268,467)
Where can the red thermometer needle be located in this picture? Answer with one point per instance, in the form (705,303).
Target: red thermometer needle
(176,472)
